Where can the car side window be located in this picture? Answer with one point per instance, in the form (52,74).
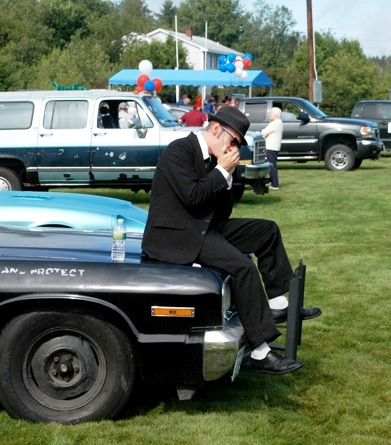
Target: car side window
(16,115)
(65,114)
(289,111)
(256,112)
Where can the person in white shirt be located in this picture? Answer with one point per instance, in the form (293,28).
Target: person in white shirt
(125,119)
(273,135)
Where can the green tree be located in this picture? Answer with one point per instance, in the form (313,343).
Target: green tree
(382,78)
(166,17)
(346,74)
(269,36)
(21,27)
(134,17)
(83,61)
(12,72)
(225,19)
(347,78)
(160,54)
(68,18)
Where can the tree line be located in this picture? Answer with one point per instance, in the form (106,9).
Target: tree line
(87,41)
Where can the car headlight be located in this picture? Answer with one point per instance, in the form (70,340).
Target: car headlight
(368,132)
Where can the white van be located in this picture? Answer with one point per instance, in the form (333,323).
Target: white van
(72,139)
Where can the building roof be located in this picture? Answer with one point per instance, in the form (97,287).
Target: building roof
(199,42)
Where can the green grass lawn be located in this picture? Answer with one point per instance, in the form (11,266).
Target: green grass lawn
(340,225)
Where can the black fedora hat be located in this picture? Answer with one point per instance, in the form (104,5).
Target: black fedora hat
(233,118)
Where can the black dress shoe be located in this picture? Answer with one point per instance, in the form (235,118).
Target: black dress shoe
(281,315)
(275,364)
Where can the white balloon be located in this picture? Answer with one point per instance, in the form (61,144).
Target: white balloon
(244,75)
(238,72)
(239,64)
(145,67)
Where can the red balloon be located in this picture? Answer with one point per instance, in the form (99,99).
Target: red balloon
(138,89)
(158,84)
(142,79)
(246,63)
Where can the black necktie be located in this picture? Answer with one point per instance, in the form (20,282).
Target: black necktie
(210,163)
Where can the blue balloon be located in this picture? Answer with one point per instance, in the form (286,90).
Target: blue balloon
(247,56)
(231,67)
(223,67)
(231,57)
(149,86)
(222,59)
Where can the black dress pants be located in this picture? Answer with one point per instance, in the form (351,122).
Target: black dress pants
(224,248)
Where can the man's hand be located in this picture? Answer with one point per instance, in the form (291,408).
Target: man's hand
(229,160)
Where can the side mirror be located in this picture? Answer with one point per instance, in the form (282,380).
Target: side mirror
(303,116)
(142,132)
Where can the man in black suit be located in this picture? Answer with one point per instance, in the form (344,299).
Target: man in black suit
(188,221)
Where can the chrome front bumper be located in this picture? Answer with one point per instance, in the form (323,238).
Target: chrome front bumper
(223,350)
(257,171)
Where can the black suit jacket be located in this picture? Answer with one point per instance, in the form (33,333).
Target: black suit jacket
(186,201)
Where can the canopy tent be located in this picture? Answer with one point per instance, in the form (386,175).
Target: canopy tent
(194,78)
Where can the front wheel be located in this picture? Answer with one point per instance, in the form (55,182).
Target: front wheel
(64,367)
(339,157)
(357,163)
(9,180)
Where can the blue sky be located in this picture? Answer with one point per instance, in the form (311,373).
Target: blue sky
(366,21)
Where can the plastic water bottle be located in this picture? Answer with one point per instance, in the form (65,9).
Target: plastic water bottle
(118,246)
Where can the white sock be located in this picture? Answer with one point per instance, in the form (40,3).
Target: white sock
(260,352)
(280,302)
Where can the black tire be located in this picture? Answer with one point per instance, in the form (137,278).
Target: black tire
(9,180)
(357,163)
(64,367)
(339,157)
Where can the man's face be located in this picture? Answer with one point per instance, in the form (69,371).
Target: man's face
(225,140)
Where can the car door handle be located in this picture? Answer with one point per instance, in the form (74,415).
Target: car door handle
(100,134)
(43,135)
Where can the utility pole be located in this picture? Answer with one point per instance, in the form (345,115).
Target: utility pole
(311,67)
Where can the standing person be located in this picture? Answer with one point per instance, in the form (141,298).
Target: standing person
(184,100)
(273,135)
(210,106)
(189,221)
(195,117)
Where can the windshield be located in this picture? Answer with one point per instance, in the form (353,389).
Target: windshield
(314,110)
(160,112)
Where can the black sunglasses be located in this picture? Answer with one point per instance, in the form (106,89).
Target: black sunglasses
(234,142)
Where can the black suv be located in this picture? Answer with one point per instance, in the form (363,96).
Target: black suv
(311,135)
(378,111)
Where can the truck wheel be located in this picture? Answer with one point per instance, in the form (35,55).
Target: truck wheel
(64,367)
(9,180)
(339,157)
(357,163)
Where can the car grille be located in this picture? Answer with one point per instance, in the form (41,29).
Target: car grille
(259,151)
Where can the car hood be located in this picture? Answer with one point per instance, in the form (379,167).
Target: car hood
(348,121)
(63,244)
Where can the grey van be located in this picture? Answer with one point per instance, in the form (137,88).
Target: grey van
(378,111)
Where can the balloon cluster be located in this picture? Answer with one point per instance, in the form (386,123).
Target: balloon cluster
(234,64)
(144,83)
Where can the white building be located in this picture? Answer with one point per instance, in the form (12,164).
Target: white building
(202,52)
